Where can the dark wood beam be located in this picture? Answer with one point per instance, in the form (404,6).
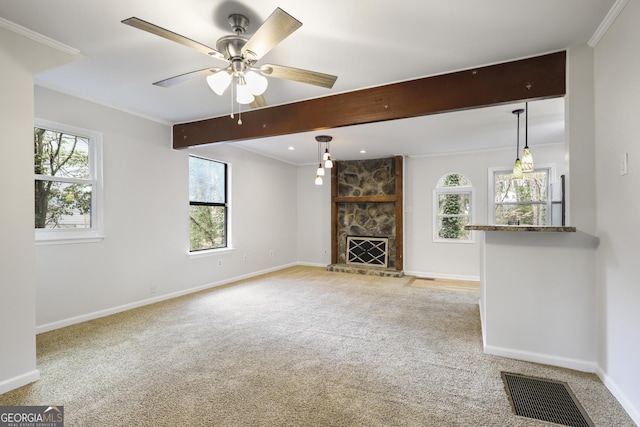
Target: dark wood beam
(526,79)
(366,199)
(334,212)
(399,205)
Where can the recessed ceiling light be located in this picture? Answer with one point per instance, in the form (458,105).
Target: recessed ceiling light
(363,151)
(291,148)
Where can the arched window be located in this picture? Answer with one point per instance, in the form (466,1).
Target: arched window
(452,202)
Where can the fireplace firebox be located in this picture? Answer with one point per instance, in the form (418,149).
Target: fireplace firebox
(370,251)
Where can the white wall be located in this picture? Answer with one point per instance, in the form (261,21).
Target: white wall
(423,256)
(264,202)
(580,146)
(538,298)
(314,217)
(21,58)
(617,93)
(146,220)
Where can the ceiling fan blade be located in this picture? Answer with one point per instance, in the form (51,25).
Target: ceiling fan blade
(278,26)
(298,75)
(172,81)
(174,37)
(258,101)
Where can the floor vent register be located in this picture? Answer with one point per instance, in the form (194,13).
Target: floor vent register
(546,400)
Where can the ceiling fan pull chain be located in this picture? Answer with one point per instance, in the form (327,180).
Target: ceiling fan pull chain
(232,88)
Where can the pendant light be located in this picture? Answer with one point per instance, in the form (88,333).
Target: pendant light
(326,157)
(323,142)
(527,158)
(517,166)
(320,171)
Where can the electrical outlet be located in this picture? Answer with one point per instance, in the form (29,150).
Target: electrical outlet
(326,251)
(219,263)
(153,289)
(245,257)
(272,253)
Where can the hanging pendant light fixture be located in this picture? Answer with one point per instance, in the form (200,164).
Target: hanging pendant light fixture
(320,171)
(517,166)
(323,142)
(527,158)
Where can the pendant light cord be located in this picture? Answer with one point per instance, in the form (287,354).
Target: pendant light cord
(232,90)
(518,139)
(526,125)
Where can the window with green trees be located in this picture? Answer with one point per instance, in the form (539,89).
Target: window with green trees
(208,204)
(67,182)
(521,201)
(453,208)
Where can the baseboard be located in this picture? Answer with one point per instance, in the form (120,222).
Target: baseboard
(442,276)
(545,359)
(19,381)
(626,403)
(312,264)
(113,310)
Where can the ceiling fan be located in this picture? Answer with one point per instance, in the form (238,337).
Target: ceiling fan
(242,54)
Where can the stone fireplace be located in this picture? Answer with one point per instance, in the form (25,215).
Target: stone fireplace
(367,209)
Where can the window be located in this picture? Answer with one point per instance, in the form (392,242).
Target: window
(68,183)
(523,201)
(452,200)
(208,204)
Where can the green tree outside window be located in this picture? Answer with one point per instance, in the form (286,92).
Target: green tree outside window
(453,202)
(63,186)
(521,201)
(207,204)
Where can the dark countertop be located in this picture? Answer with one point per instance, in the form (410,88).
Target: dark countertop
(538,229)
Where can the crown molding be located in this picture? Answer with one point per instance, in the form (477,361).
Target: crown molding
(607,22)
(18,29)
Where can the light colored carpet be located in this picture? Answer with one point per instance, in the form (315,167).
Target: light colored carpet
(301,347)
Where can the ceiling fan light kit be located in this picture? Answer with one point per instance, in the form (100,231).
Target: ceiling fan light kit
(219,82)
(241,54)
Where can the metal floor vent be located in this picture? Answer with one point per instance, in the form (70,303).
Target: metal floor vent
(545,400)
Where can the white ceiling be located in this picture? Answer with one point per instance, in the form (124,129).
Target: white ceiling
(364,42)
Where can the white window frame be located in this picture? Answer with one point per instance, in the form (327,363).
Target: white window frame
(551,177)
(229,248)
(84,235)
(461,189)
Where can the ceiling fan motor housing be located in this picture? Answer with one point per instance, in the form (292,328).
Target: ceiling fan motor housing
(231,46)
(239,23)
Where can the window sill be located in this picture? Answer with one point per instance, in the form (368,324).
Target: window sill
(68,240)
(210,252)
(456,241)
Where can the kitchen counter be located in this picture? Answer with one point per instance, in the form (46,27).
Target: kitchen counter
(530,228)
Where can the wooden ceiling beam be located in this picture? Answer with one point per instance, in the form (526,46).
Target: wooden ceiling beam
(534,78)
